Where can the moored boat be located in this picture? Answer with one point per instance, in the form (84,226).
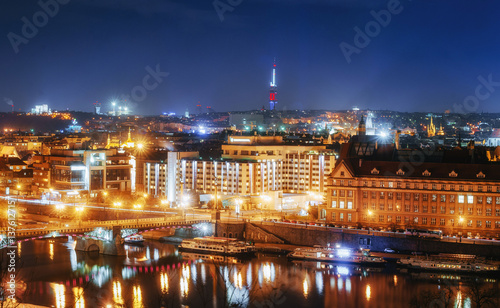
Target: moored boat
(217,245)
(342,255)
(450,263)
(134,239)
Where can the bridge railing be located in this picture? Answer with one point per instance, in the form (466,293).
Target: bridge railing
(86,226)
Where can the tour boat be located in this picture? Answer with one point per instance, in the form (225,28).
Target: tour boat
(453,263)
(217,245)
(342,255)
(134,239)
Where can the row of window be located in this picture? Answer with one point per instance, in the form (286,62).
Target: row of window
(416,196)
(416,208)
(423,221)
(433,186)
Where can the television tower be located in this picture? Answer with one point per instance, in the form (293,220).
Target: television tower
(273,90)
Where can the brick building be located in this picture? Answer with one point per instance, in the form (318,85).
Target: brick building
(456,191)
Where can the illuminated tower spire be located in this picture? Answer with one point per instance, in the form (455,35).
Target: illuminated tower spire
(273,91)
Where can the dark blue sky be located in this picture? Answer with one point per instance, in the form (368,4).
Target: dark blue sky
(427,58)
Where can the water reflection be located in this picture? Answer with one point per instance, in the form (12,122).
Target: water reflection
(305,286)
(79,298)
(164,282)
(137,302)
(51,251)
(117,293)
(74,279)
(59,292)
(368,292)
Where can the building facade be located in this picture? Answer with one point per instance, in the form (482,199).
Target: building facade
(91,170)
(459,199)
(250,165)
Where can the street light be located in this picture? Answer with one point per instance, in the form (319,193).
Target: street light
(307,213)
(117,204)
(79,211)
(237,208)
(137,207)
(164,204)
(370,214)
(460,224)
(60,208)
(18,192)
(184,202)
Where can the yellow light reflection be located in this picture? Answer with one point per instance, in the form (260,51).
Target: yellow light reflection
(137,303)
(266,272)
(238,280)
(186,271)
(305,285)
(395,280)
(19,249)
(59,292)
(117,293)
(184,285)
(368,292)
(51,251)
(164,282)
(79,299)
(459,302)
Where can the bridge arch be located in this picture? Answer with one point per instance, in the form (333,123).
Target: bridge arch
(93,247)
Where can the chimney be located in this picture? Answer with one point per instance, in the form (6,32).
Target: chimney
(360,162)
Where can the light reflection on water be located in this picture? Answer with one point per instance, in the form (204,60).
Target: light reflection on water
(173,279)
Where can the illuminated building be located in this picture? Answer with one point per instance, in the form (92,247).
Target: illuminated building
(162,174)
(494,139)
(41,109)
(90,170)
(453,191)
(250,165)
(431,130)
(129,143)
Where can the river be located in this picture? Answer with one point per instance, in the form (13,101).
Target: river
(52,274)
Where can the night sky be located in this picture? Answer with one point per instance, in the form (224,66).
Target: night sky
(427,58)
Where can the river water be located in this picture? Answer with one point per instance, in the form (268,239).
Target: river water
(50,273)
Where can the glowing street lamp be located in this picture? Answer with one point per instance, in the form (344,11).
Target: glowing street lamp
(184,203)
(164,204)
(460,224)
(137,207)
(239,202)
(117,204)
(370,214)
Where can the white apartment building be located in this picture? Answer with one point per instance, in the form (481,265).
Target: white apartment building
(250,165)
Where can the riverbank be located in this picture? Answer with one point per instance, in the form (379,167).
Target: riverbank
(291,234)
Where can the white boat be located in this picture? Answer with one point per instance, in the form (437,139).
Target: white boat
(134,239)
(342,255)
(217,245)
(464,263)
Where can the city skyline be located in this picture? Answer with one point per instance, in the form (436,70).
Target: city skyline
(333,55)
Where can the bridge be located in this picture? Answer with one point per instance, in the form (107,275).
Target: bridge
(105,236)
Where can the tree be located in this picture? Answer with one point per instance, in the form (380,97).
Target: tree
(482,295)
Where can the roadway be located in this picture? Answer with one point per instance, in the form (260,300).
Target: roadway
(230,216)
